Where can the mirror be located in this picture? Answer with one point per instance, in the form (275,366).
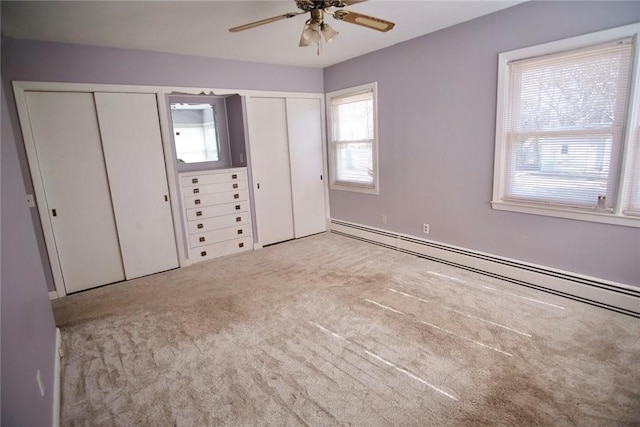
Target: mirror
(195,132)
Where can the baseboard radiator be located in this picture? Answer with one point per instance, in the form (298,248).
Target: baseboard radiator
(610,295)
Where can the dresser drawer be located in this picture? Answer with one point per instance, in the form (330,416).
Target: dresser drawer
(196,214)
(215,223)
(213,178)
(223,248)
(214,188)
(215,236)
(215,199)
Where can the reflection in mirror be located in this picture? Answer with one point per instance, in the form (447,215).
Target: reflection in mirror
(195,132)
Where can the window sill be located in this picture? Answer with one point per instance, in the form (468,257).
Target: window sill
(354,187)
(602,217)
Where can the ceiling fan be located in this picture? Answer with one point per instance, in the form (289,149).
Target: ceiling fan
(315,27)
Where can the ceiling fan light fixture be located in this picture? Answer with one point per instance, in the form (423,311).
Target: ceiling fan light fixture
(328,33)
(310,34)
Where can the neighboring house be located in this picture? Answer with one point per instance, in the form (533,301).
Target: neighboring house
(436,122)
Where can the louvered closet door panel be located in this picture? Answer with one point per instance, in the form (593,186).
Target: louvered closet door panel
(135,163)
(71,163)
(270,167)
(305,149)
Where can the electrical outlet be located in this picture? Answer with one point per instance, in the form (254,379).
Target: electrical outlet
(384,219)
(31,202)
(425,228)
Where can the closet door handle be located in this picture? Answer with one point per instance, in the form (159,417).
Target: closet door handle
(54,212)
(258,186)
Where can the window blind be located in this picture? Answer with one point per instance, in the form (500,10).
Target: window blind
(564,126)
(633,173)
(353,135)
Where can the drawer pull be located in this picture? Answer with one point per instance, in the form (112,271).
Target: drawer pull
(235,185)
(234,176)
(240,231)
(238,218)
(196,201)
(196,190)
(236,196)
(203,253)
(201,239)
(200,225)
(194,180)
(199,213)
(237,207)
(241,245)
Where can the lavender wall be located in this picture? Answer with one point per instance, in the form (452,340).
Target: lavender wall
(436,111)
(28,329)
(59,62)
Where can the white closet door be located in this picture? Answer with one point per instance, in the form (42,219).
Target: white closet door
(71,163)
(305,148)
(270,168)
(137,175)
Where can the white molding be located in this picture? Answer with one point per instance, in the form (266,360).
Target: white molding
(604,293)
(566,213)
(53,295)
(56,380)
(165,90)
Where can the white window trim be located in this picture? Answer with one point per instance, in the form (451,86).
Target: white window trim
(335,184)
(616,217)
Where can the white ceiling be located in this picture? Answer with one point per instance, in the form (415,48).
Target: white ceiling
(201,27)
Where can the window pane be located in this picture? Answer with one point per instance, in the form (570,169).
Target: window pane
(569,170)
(355,162)
(353,120)
(575,92)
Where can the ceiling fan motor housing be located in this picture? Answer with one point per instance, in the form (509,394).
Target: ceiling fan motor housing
(311,5)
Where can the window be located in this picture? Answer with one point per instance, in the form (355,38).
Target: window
(353,139)
(565,131)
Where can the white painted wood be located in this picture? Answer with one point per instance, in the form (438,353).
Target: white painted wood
(57,373)
(71,164)
(307,175)
(136,170)
(270,167)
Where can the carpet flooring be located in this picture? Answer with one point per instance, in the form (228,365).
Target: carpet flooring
(327,331)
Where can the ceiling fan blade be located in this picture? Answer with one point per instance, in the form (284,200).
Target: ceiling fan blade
(364,20)
(264,21)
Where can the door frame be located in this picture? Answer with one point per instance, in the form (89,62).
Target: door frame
(161,93)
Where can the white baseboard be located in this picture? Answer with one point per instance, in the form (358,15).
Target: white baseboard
(612,295)
(53,295)
(56,380)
